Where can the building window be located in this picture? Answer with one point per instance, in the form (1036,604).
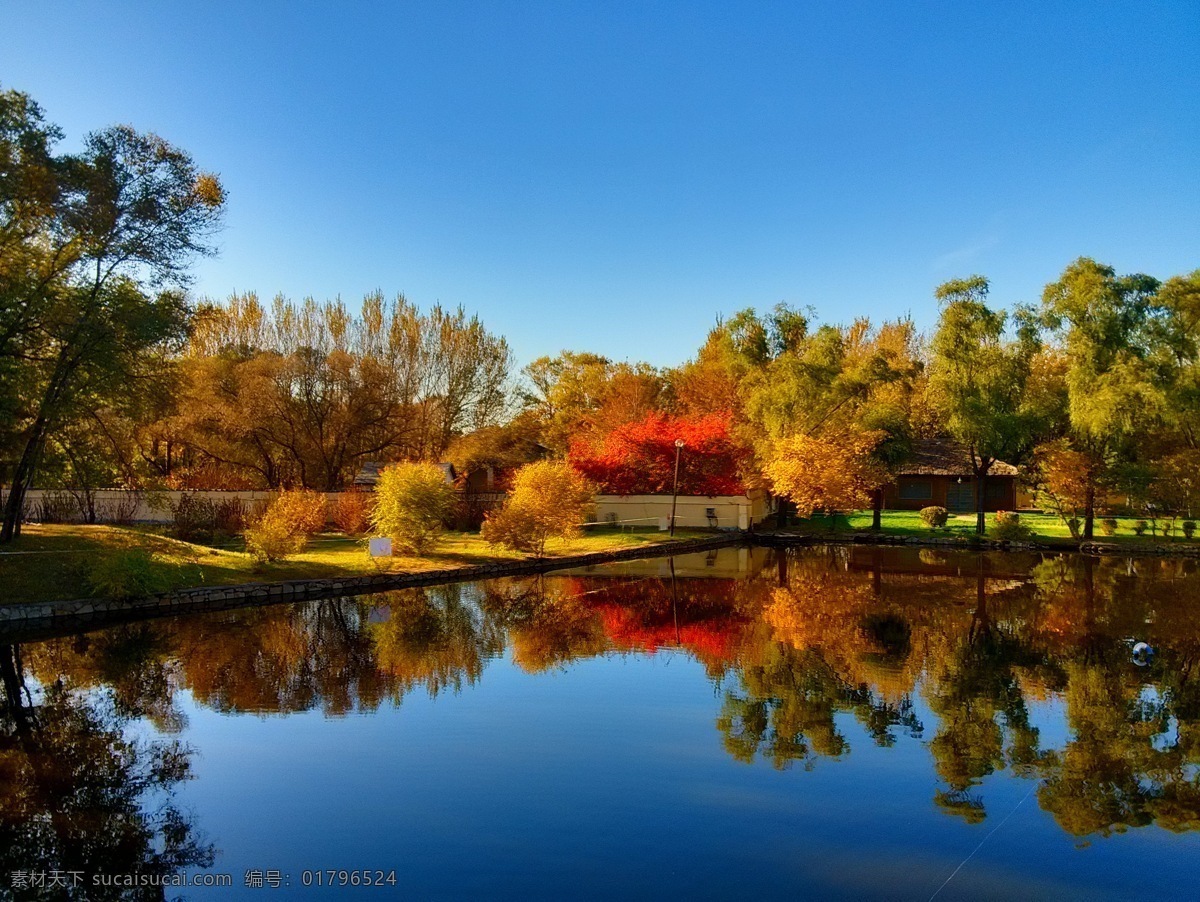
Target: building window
(916,489)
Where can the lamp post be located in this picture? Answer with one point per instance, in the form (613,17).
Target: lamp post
(675,486)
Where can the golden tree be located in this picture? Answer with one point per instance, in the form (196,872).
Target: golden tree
(548,499)
(413,501)
(833,473)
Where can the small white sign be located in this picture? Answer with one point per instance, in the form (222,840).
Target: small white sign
(380,547)
(664,524)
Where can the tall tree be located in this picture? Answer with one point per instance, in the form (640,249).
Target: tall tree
(1109,327)
(305,393)
(978,380)
(91,275)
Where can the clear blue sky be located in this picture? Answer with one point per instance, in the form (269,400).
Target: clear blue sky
(612,176)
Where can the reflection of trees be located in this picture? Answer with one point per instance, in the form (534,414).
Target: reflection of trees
(784,704)
(983,719)
(133,662)
(548,620)
(706,617)
(821,627)
(430,638)
(339,656)
(855,631)
(1133,756)
(832,636)
(77,793)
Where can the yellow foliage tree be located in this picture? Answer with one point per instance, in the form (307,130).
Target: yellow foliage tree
(548,499)
(833,473)
(412,503)
(285,526)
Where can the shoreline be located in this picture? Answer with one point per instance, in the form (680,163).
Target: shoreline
(1091,547)
(82,611)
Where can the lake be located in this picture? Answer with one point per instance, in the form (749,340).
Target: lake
(831,722)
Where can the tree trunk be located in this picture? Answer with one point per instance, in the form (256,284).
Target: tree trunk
(980,499)
(22,479)
(1089,513)
(23,474)
(877,510)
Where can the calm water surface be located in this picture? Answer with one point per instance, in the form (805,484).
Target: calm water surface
(833,723)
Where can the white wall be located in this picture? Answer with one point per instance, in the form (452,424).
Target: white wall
(107,500)
(732,511)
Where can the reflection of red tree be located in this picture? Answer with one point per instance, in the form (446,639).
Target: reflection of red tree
(701,616)
(713,640)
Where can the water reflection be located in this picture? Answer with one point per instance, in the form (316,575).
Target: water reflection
(959,652)
(80,795)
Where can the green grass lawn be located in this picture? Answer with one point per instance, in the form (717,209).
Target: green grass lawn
(1045,527)
(51,562)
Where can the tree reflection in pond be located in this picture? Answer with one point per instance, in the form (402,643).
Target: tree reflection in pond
(80,793)
(954,650)
(432,639)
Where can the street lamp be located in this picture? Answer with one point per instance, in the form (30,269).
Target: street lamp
(675,487)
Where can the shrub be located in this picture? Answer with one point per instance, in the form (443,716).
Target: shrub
(129,573)
(413,501)
(1108,526)
(121,509)
(282,528)
(548,499)
(57,507)
(1189,528)
(352,513)
(1007,526)
(304,509)
(273,537)
(194,518)
(229,516)
(1139,528)
(935,517)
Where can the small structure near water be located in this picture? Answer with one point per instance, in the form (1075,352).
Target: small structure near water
(940,474)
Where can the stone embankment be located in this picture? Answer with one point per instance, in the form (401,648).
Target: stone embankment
(219,598)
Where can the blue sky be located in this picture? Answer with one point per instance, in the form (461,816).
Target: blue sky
(613,176)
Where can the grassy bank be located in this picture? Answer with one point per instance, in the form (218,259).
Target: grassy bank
(1045,528)
(51,562)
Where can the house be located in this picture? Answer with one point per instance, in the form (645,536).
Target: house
(940,474)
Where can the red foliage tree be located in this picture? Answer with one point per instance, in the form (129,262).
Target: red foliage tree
(639,458)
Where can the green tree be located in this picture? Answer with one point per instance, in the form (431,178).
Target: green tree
(94,249)
(978,380)
(413,501)
(1109,327)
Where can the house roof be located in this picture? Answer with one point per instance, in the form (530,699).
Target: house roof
(940,457)
(368,474)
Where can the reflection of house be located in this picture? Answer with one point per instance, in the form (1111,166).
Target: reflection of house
(940,473)
(716,563)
